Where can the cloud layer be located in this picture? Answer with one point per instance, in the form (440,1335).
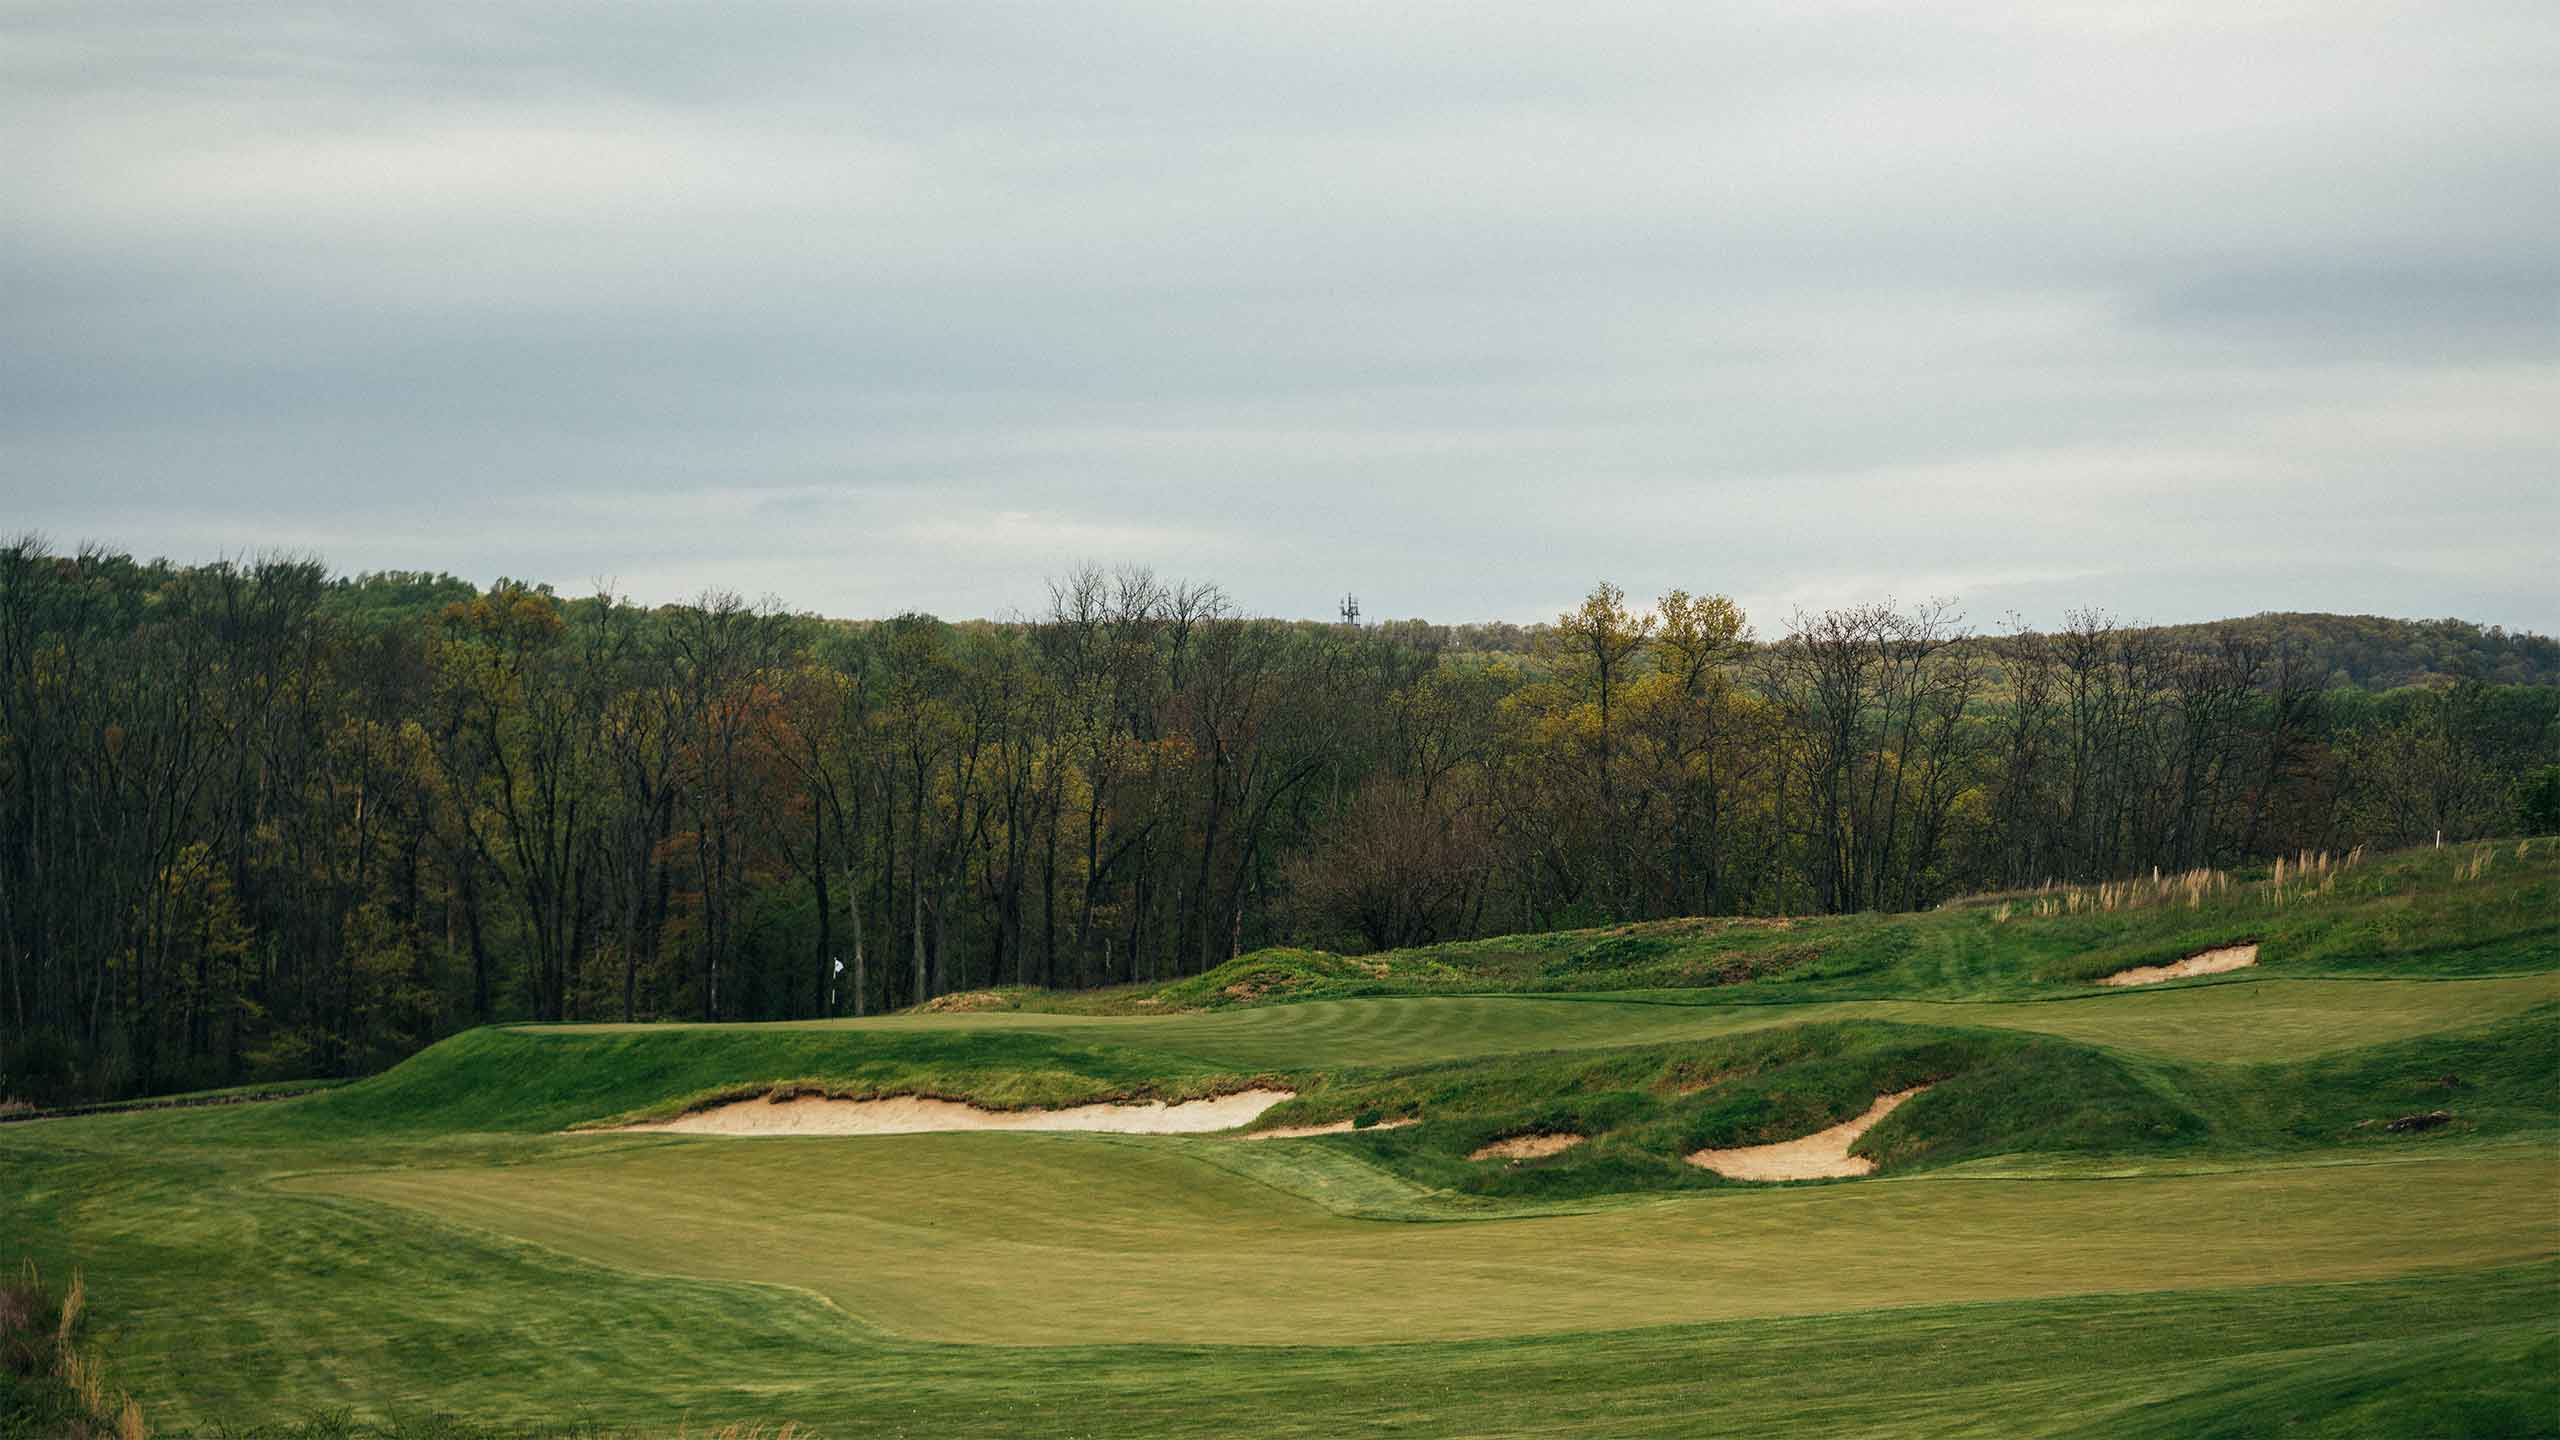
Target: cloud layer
(2182,309)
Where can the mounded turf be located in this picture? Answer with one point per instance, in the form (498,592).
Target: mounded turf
(2180,1211)
(2247,1018)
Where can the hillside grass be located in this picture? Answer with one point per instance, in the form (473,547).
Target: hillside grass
(532,1080)
(2169,1211)
(2489,908)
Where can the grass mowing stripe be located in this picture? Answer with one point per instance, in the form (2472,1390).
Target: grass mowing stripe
(927,1236)
(330,1303)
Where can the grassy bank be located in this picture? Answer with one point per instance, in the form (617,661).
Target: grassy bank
(2176,1211)
(2485,909)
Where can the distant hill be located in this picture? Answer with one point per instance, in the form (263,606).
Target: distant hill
(2375,652)
(2367,652)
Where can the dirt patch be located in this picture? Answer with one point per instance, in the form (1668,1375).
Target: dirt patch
(917,1114)
(2203,962)
(1526,1147)
(1822,1155)
(1742,969)
(965,1001)
(1248,991)
(1338,1127)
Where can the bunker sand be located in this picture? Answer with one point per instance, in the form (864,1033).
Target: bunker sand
(1822,1155)
(2203,962)
(919,1115)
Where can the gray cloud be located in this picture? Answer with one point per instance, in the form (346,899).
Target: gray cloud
(2183,309)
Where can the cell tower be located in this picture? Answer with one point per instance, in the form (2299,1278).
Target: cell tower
(1350,609)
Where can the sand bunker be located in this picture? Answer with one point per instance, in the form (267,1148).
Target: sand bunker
(2203,962)
(916,1115)
(1526,1147)
(1338,1127)
(1822,1155)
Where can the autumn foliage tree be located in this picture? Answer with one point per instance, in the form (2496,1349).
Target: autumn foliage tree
(256,822)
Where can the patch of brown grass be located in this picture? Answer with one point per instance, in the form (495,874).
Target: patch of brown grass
(1517,1148)
(1750,965)
(965,1001)
(39,1343)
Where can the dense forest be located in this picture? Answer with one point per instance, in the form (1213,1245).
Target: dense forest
(258,822)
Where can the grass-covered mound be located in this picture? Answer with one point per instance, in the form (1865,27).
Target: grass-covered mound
(2485,909)
(2498,1079)
(499,1079)
(1293,974)
(1641,1110)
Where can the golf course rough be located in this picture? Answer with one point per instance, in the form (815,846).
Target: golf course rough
(2204,1189)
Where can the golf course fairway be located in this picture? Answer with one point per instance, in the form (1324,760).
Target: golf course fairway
(2316,1196)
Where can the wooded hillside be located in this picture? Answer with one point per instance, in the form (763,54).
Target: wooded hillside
(259,823)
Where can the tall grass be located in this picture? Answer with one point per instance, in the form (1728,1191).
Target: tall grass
(2108,896)
(49,1385)
(2291,880)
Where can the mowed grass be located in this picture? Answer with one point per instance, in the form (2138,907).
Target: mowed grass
(1136,1242)
(237,1306)
(2249,1018)
(235,1299)
(2171,1212)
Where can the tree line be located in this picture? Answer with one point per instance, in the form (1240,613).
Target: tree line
(257,822)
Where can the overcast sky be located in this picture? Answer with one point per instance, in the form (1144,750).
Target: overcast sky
(2182,309)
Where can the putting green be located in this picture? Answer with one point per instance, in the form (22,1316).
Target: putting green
(1050,1240)
(2253,1020)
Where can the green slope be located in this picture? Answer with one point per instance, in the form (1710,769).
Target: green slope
(2160,1212)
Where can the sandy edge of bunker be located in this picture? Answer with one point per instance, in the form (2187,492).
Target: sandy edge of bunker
(2204,962)
(1822,1155)
(919,1115)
